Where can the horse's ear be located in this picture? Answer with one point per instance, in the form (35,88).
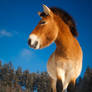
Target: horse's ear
(46,10)
(39,13)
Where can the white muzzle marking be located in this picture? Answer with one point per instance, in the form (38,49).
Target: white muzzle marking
(34,38)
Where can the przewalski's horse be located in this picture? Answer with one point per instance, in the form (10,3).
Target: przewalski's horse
(65,64)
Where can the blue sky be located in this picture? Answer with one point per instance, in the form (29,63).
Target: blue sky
(19,17)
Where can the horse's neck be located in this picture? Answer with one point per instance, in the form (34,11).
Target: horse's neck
(67,45)
(64,39)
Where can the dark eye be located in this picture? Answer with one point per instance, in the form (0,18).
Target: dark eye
(42,22)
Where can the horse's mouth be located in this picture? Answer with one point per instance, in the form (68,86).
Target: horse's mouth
(35,45)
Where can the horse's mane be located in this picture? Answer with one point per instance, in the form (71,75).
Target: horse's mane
(66,18)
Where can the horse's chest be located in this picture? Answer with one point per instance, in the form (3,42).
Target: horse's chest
(55,67)
(51,67)
(62,68)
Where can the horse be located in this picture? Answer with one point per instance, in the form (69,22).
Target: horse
(65,64)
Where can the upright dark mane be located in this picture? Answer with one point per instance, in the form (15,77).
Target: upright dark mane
(67,19)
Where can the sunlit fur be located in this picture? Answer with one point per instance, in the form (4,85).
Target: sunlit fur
(65,63)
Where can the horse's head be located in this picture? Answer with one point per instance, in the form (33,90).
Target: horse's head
(45,32)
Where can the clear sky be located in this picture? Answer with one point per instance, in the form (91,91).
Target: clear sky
(19,17)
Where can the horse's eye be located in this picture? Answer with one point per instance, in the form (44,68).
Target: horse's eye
(43,22)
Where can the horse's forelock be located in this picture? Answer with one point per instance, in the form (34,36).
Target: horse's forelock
(43,14)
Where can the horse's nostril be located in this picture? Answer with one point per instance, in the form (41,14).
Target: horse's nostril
(35,44)
(29,41)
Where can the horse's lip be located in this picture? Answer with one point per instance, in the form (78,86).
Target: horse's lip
(33,47)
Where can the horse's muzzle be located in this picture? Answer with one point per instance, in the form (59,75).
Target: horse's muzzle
(34,45)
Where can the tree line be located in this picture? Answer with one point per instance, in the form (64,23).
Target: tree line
(12,80)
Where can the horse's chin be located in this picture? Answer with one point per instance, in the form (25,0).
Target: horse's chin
(44,46)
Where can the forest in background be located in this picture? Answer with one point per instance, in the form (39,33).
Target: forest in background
(12,80)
